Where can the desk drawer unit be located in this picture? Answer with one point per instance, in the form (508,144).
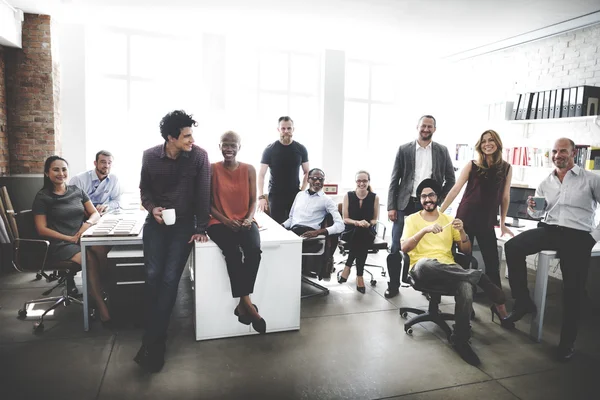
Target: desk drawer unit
(126,293)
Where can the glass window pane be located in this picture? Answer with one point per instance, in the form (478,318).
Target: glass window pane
(305,74)
(150,56)
(109,55)
(383,144)
(304,110)
(382,83)
(357,80)
(273,71)
(356,125)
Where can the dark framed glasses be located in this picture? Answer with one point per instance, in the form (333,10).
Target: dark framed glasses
(426,196)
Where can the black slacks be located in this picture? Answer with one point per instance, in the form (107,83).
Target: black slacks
(488,244)
(574,250)
(242,273)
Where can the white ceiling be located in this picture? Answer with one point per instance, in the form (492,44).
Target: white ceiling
(447,26)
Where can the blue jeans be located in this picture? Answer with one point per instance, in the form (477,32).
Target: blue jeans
(166,250)
(412,207)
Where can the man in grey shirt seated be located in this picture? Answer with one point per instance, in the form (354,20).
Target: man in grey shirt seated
(570,196)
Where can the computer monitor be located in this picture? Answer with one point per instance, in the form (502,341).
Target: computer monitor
(517,208)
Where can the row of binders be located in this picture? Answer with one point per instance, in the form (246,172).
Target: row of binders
(577,101)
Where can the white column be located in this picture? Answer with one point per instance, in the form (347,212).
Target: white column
(333,114)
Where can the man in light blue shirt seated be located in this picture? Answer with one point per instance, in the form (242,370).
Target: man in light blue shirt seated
(102,187)
(308,212)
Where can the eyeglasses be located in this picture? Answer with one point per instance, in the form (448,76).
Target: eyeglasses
(431,195)
(362,181)
(316,178)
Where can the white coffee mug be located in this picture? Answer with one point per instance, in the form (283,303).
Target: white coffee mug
(168,216)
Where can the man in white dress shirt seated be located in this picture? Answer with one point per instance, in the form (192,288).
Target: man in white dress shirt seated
(308,212)
(100,185)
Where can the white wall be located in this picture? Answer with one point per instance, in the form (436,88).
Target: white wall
(73,111)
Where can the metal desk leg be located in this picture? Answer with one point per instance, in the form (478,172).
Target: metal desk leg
(86,322)
(539,295)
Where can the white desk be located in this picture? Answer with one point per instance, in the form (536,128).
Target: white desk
(87,241)
(276,292)
(541,283)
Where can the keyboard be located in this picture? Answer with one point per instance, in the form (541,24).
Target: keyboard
(118,225)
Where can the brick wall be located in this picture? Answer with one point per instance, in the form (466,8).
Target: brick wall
(566,60)
(3,127)
(32,91)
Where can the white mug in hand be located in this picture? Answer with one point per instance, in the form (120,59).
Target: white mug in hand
(168,216)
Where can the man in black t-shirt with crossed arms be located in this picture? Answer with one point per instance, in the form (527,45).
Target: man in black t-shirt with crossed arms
(284,158)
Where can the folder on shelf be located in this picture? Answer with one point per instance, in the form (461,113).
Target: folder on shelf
(552,104)
(515,109)
(566,93)
(533,106)
(524,106)
(587,101)
(572,101)
(558,103)
(546,108)
(540,106)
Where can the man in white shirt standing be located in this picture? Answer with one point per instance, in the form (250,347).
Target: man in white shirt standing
(309,209)
(415,161)
(100,185)
(570,197)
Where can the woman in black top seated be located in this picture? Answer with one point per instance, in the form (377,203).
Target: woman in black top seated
(360,212)
(61,214)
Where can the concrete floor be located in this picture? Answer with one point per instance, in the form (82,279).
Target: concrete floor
(350,346)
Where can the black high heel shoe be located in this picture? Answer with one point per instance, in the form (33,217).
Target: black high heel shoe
(361,289)
(504,322)
(341,279)
(260,326)
(244,319)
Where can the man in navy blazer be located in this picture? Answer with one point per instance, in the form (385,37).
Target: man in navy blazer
(415,161)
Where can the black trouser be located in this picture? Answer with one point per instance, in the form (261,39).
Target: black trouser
(280,205)
(488,244)
(359,240)
(242,274)
(574,249)
(412,207)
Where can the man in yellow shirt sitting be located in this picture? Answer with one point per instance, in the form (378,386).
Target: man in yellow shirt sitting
(427,238)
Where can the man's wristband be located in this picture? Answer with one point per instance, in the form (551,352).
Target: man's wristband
(262,197)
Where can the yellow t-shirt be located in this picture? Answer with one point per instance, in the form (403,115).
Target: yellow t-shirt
(437,246)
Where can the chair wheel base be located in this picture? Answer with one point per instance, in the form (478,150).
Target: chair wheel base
(373,282)
(22,313)
(404,314)
(409,331)
(38,327)
(383,273)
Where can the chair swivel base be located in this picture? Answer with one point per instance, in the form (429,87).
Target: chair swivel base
(323,291)
(438,318)
(65,299)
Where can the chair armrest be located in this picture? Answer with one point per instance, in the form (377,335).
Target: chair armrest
(467,261)
(378,227)
(30,254)
(317,239)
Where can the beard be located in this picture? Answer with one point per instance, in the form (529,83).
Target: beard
(430,206)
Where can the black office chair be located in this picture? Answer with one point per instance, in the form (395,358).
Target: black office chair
(378,244)
(30,255)
(433,314)
(314,258)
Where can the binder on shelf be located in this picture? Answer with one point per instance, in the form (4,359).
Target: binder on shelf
(566,93)
(540,105)
(593,159)
(572,101)
(515,109)
(533,106)
(587,101)
(524,106)
(558,103)
(546,108)
(552,104)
